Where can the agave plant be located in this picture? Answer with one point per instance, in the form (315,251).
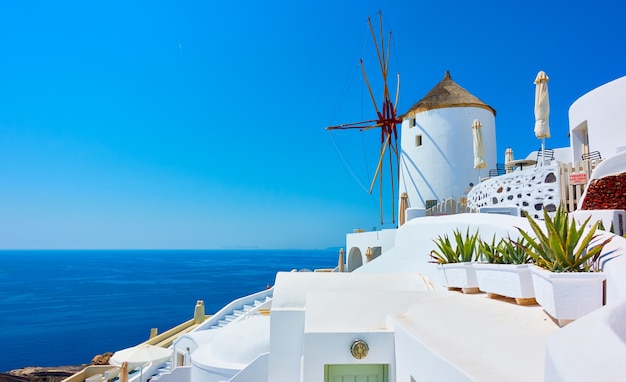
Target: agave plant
(463,249)
(611,230)
(562,247)
(514,252)
(490,251)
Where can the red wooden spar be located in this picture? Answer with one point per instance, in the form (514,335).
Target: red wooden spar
(387,120)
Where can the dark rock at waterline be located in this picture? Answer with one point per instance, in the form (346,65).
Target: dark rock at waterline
(51,374)
(41,374)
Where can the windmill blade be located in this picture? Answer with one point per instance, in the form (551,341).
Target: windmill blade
(380,193)
(353,125)
(393,188)
(386,59)
(394,149)
(380,53)
(371,126)
(387,119)
(380,163)
(395,105)
(380,59)
(369,88)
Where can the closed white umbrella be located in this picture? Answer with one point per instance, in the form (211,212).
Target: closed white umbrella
(508,157)
(139,355)
(479,147)
(404,204)
(542,110)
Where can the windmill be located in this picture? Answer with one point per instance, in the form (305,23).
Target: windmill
(386,119)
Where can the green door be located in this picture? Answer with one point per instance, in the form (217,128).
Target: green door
(356,373)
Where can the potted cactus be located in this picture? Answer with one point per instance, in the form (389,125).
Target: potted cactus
(567,278)
(455,259)
(505,271)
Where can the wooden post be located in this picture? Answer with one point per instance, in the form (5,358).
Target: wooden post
(572,192)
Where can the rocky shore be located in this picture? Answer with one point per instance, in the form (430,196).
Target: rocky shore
(41,374)
(50,374)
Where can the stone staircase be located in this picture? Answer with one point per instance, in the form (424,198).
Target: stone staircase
(240,313)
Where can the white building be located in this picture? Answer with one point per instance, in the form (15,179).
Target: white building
(597,121)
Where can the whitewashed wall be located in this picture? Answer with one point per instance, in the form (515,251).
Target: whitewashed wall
(358,243)
(351,305)
(287,336)
(417,361)
(334,349)
(443,166)
(603,112)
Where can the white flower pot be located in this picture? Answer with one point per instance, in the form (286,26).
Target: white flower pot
(509,280)
(459,275)
(567,296)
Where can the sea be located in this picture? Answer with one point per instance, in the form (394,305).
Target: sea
(63,307)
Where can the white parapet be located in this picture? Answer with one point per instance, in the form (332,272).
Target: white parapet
(612,220)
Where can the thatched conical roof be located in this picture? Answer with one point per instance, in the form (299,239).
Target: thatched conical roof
(447,93)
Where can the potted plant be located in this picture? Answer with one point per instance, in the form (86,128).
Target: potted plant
(568,281)
(455,261)
(505,270)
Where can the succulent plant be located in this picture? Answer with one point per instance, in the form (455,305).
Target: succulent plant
(513,251)
(462,250)
(489,251)
(562,246)
(507,251)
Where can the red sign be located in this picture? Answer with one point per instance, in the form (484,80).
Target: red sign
(578,178)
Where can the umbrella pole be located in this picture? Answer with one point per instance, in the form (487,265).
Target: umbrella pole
(543,151)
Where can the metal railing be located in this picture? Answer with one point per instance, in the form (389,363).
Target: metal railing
(449,207)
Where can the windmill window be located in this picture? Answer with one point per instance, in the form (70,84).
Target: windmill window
(413,122)
(418,140)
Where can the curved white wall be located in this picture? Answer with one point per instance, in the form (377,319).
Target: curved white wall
(443,166)
(603,113)
(357,244)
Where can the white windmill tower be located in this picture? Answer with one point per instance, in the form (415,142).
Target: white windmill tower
(437,158)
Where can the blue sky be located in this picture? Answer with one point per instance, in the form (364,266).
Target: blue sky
(201,124)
